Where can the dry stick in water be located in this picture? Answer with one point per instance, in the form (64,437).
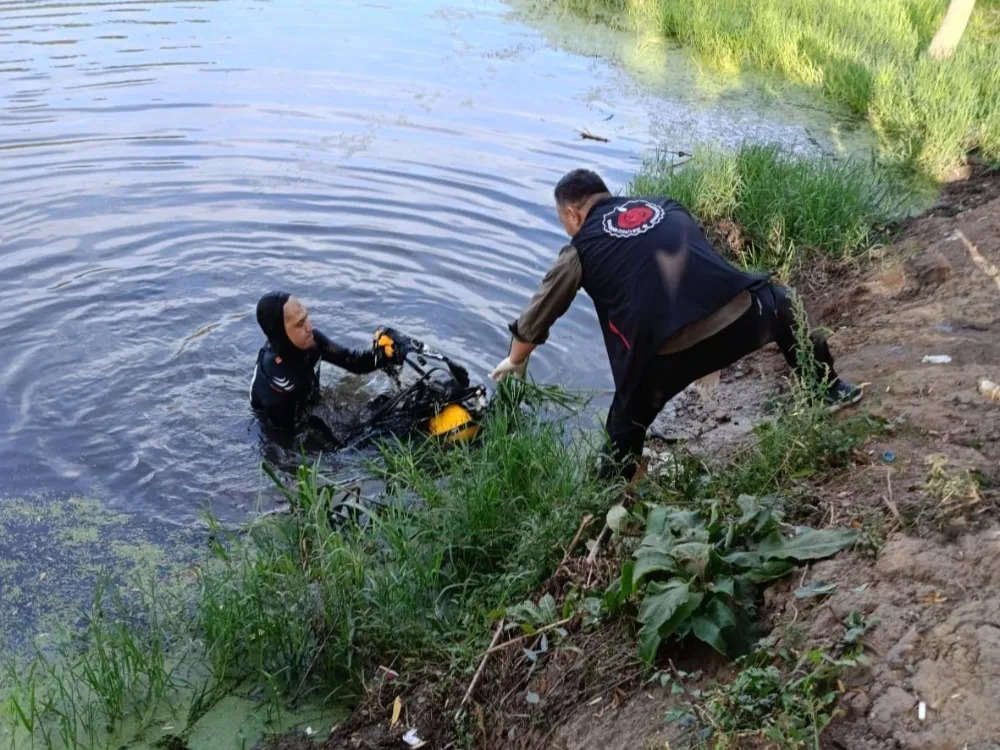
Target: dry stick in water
(479,671)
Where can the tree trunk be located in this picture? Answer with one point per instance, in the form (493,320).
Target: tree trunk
(952,27)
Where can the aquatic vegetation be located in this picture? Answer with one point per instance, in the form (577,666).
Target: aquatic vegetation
(463,530)
(309,604)
(773,208)
(869,57)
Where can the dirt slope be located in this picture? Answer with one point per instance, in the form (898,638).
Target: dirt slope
(935,586)
(930,489)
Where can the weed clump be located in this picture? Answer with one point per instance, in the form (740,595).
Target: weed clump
(463,531)
(779,696)
(696,571)
(868,57)
(785,206)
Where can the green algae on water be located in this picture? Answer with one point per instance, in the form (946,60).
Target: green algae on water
(54,551)
(235,722)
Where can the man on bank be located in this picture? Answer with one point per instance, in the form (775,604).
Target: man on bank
(671,309)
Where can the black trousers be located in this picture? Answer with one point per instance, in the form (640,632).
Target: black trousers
(771,318)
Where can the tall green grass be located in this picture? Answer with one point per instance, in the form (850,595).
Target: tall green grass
(464,530)
(867,56)
(114,674)
(784,206)
(308,605)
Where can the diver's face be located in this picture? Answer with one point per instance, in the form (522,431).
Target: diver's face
(297,325)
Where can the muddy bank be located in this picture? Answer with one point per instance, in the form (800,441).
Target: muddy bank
(930,488)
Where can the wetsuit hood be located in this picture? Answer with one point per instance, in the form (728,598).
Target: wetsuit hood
(271,318)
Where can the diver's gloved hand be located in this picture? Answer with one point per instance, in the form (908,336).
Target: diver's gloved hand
(506,368)
(391,347)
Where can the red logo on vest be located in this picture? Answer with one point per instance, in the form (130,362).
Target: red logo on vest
(632,218)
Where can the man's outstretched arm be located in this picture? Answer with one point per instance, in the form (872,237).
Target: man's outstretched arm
(554,296)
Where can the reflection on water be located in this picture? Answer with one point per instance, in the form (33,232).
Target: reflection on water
(163,163)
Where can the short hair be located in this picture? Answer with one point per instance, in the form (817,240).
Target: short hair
(577,186)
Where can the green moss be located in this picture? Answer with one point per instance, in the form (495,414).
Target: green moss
(63,547)
(80,535)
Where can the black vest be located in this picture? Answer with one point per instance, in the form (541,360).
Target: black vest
(651,271)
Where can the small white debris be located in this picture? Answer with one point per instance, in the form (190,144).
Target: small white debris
(937,359)
(617,518)
(922,711)
(309,731)
(990,389)
(411,739)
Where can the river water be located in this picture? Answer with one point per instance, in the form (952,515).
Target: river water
(163,163)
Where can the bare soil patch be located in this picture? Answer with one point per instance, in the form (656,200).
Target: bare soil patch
(931,485)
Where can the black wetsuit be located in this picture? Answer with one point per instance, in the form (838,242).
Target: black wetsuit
(650,270)
(285,386)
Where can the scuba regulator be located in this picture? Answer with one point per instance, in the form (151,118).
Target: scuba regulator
(457,407)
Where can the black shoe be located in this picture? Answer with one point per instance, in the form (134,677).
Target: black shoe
(842,394)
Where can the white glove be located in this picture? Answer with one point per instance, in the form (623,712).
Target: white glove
(507,367)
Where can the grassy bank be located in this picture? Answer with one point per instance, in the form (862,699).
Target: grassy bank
(767,208)
(869,57)
(306,607)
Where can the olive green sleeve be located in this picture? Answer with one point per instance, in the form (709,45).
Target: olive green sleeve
(554,296)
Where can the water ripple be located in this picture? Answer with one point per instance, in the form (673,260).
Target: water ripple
(388,164)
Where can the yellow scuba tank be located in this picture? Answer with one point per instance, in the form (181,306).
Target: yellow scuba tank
(454,423)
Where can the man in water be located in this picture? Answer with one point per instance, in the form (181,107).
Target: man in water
(671,309)
(286,378)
